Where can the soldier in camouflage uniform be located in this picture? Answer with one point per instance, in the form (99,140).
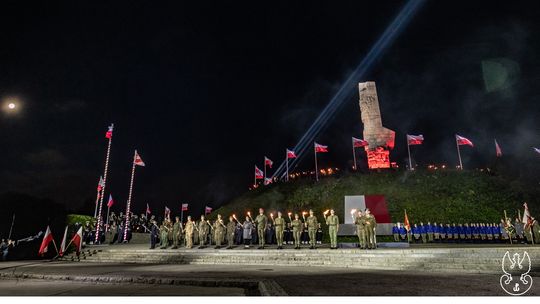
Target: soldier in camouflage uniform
(279,225)
(360,231)
(219,229)
(203,232)
(261,220)
(190,227)
(333,226)
(177,232)
(297,230)
(370,224)
(312,224)
(230,230)
(163,232)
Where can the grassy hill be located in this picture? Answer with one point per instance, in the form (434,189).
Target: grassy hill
(441,196)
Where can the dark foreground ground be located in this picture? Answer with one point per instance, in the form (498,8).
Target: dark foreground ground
(65,278)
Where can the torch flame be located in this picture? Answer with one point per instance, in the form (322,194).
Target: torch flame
(353,211)
(326,212)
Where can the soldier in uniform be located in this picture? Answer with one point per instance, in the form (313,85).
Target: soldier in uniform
(370,224)
(190,227)
(177,232)
(203,232)
(248,228)
(163,237)
(261,220)
(230,230)
(219,229)
(333,226)
(154,232)
(279,224)
(312,224)
(297,227)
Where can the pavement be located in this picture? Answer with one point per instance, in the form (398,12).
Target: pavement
(67,278)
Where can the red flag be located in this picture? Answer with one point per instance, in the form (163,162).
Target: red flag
(47,238)
(415,139)
(463,141)
(110,202)
(101,184)
(259,174)
(137,160)
(498,150)
(77,240)
(290,154)
(207,210)
(358,143)
(406,223)
(268,162)
(109,132)
(320,148)
(267,181)
(527,220)
(148,209)
(185,207)
(63,244)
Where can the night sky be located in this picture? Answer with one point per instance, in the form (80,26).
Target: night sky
(205,90)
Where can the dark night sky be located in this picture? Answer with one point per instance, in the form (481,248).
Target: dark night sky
(205,90)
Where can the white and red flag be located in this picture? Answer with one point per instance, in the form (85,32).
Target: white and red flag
(320,148)
(110,202)
(415,139)
(63,244)
(268,162)
(537,150)
(207,210)
(185,207)
(406,223)
(101,183)
(268,181)
(167,211)
(47,239)
(137,160)
(109,132)
(77,240)
(498,150)
(462,141)
(358,143)
(148,209)
(259,174)
(527,220)
(291,154)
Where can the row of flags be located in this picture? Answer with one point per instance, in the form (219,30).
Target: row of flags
(48,239)
(183,207)
(412,140)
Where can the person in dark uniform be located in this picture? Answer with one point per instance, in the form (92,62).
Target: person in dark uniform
(402,233)
(287,235)
(423,232)
(238,232)
(416,233)
(468,232)
(269,234)
(319,235)
(304,237)
(154,232)
(395,232)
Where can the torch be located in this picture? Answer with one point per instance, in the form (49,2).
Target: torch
(325,213)
(272,217)
(304,215)
(249,215)
(353,211)
(289,214)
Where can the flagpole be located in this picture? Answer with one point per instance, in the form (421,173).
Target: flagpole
(264,179)
(409,150)
(459,155)
(97,201)
(11,228)
(316,170)
(181,214)
(104,185)
(255,178)
(129,198)
(287,162)
(354,155)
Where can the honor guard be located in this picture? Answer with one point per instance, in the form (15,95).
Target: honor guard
(203,232)
(154,232)
(163,236)
(190,227)
(370,226)
(360,232)
(297,227)
(177,232)
(230,230)
(333,226)
(261,220)
(279,224)
(312,224)
(219,230)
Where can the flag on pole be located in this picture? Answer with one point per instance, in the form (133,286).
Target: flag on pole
(462,141)
(527,220)
(109,132)
(358,143)
(137,160)
(148,209)
(267,181)
(167,211)
(291,154)
(498,150)
(415,139)
(185,207)
(101,183)
(63,244)
(259,174)
(77,240)
(207,210)
(320,148)
(110,202)
(47,238)
(268,162)
(406,223)
(537,150)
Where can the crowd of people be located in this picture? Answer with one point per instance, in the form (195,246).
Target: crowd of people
(503,232)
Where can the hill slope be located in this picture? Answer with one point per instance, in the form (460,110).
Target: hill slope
(441,196)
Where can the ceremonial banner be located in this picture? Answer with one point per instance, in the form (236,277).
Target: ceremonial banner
(185,207)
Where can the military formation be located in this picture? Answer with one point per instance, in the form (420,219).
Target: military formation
(505,231)
(261,230)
